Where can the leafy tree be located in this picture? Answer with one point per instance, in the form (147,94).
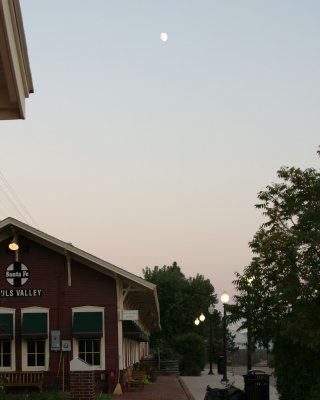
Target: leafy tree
(181,300)
(283,301)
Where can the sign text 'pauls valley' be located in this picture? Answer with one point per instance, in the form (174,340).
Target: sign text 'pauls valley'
(20,292)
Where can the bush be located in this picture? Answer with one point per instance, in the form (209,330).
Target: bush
(297,369)
(191,349)
(52,395)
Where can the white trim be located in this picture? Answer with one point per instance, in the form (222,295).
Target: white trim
(12,311)
(119,323)
(75,345)
(24,349)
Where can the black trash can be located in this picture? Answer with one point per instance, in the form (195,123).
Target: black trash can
(220,365)
(256,385)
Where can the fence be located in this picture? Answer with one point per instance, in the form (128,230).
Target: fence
(259,357)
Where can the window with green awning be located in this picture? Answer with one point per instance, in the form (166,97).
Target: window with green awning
(87,325)
(34,326)
(6,326)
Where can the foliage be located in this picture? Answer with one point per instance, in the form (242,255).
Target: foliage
(191,349)
(278,293)
(103,396)
(51,395)
(181,300)
(297,369)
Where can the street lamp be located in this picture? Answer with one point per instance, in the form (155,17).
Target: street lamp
(199,319)
(210,311)
(224,299)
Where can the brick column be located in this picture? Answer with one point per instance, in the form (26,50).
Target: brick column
(82,385)
(81,380)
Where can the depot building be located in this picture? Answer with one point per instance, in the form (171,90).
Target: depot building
(59,304)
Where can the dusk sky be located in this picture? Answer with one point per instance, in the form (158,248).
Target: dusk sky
(144,152)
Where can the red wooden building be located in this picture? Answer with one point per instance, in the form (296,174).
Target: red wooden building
(59,303)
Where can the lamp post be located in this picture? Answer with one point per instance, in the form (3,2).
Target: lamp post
(210,311)
(249,337)
(224,299)
(197,321)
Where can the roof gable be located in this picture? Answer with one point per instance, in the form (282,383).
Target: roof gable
(141,292)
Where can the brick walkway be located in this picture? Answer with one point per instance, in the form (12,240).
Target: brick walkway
(164,388)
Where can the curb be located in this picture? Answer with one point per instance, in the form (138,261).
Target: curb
(185,389)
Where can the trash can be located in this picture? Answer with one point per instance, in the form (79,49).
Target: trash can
(256,385)
(220,365)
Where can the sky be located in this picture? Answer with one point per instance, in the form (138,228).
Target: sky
(143,152)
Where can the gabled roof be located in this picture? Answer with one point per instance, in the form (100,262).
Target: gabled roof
(15,74)
(139,292)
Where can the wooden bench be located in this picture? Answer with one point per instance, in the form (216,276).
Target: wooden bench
(22,379)
(136,379)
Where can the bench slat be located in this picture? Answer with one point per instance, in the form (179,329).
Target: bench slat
(23,379)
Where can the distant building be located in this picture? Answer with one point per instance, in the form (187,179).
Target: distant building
(15,74)
(59,303)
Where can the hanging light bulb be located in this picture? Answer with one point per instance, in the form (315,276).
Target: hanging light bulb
(14,245)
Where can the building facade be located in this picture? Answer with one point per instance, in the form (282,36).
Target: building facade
(59,303)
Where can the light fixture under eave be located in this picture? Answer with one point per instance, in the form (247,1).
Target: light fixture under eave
(14,245)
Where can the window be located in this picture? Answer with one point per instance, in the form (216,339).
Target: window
(5,353)
(7,348)
(88,335)
(89,350)
(36,353)
(35,342)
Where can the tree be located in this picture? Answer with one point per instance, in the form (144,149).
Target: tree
(284,299)
(181,300)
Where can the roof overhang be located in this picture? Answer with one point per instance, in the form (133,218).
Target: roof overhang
(15,74)
(140,294)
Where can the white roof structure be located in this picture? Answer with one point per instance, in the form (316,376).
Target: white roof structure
(15,74)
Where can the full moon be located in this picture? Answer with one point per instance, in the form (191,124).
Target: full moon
(164,36)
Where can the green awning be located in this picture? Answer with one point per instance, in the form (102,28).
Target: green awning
(6,326)
(34,326)
(133,331)
(87,324)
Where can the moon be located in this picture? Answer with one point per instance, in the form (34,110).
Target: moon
(163,36)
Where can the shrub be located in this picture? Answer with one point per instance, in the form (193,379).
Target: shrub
(191,349)
(297,369)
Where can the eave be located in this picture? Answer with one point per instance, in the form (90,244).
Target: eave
(15,74)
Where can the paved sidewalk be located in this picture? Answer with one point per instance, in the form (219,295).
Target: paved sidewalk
(197,384)
(190,387)
(164,388)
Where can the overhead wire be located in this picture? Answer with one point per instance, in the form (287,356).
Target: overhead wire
(14,201)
